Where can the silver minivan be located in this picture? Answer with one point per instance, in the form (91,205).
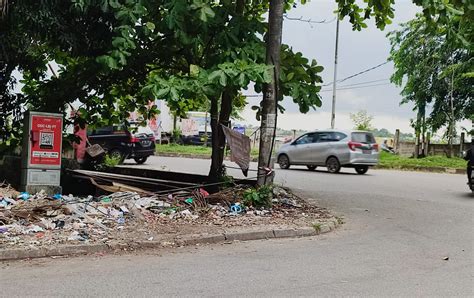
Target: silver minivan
(332,149)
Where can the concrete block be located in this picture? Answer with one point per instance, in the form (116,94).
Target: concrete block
(211,239)
(245,236)
(332,225)
(285,233)
(325,228)
(50,190)
(17,254)
(304,232)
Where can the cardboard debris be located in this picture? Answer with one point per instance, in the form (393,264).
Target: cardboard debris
(41,220)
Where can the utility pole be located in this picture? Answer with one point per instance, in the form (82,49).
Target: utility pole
(333,114)
(451,120)
(270,92)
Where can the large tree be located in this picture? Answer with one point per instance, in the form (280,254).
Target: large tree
(115,56)
(435,69)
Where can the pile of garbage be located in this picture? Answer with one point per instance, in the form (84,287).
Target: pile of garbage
(35,220)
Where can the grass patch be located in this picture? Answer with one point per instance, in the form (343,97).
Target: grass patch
(317,227)
(183,149)
(396,161)
(340,220)
(386,159)
(191,149)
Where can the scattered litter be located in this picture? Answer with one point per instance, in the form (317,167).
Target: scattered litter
(236,208)
(121,220)
(32,220)
(446,258)
(24,196)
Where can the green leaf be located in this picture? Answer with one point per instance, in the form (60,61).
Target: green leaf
(223,80)
(214,75)
(150,26)
(453,10)
(105,5)
(318,68)
(174,93)
(203,15)
(162,92)
(242,79)
(111,62)
(267,76)
(122,58)
(290,76)
(208,11)
(118,41)
(193,70)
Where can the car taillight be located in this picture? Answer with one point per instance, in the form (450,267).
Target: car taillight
(375,147)
(152,139)
(354,145)
(134,139)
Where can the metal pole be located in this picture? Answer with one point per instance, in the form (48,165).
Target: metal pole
(452,122)
(333,114)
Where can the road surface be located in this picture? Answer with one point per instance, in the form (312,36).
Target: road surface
(399,229)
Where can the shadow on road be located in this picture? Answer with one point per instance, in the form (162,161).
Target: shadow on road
(324,172)
(466,195)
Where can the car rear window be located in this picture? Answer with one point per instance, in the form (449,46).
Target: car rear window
(363,137)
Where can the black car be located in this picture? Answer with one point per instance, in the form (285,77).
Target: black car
(121,142)
(198,139)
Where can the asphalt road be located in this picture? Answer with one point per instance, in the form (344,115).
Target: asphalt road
(399,227)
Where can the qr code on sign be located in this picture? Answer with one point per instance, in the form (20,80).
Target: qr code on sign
(46,139)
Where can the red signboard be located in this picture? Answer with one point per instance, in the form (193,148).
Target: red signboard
(45,140)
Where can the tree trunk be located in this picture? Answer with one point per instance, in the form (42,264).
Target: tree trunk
(218,137)
(450,141)
(214,170)
(423,135)
(417,144)
(452,122)
(270,92)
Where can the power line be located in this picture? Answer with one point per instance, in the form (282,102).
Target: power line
(350,88)
(343,87)
(357,74)
(363,83)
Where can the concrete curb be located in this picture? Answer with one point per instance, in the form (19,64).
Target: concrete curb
(74,250)
(194,156)
(379,167)
(423,169)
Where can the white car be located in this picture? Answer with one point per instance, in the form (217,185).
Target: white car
(332,149)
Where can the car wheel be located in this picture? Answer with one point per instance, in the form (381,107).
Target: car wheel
(140,160)
(116,153)
(311,168)
(333,165)
(361,170)
(284,161)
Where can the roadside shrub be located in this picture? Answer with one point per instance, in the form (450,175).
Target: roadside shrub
(258,197)
(108,162)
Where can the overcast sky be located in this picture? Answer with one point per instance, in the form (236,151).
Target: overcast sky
(358,50)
